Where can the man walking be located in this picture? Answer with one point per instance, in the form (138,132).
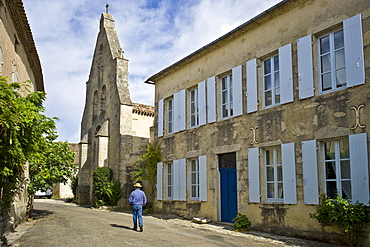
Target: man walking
(137,199)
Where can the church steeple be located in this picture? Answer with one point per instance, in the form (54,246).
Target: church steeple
(108,48)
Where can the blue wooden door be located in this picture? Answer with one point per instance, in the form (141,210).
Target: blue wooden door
(229,207)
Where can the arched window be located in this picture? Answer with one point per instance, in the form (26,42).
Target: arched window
(103,99)
(100,65)
(95,104)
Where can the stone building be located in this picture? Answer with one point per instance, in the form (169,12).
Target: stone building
(20,62)
(113,128)
(61,190)
(268,117)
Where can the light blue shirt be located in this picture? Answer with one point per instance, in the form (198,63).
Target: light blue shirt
(137,197)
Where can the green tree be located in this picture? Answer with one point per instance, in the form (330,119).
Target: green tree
(26,136)
(53,163)
(22,125)
(145,169)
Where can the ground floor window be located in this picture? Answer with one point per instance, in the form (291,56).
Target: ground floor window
(194,179)
(337,168)
(169,180)
(182,179)
(274,174)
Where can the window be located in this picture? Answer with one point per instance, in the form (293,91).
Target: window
(170,116)
(194,179)
(169,180)
(226,96)
(194,109)
(274,174)
(95,104)
(337,168)
(271,81)
(332,61)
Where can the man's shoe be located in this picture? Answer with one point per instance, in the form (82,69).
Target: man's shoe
(135,229)
(141,228)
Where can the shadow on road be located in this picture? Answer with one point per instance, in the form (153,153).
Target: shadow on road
(39,214)
(119,226)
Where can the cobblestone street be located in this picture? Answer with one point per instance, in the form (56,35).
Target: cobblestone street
(63,224)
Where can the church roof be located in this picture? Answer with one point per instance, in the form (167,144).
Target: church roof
(146,110)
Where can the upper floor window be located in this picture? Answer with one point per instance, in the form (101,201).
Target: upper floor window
(227,96)
(332,61)
(194,179)
(271,81)
(274,174)
(194,109)
(170,116)
(337,168)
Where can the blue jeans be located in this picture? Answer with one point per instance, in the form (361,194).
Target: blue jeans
(137,212)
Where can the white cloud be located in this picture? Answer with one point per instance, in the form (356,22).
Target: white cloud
(153,34)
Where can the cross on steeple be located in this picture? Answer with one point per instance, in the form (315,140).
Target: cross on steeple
(106,8)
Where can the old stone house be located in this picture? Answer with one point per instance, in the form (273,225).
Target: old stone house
(268,117)
(113,128)
(20,62)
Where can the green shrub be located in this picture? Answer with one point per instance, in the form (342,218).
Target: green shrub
(74,184)
(350,218)
(241,223)
(107,191)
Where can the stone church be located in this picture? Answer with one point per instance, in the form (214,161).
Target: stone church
(113,128)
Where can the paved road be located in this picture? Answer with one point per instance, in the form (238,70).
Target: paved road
(64,224)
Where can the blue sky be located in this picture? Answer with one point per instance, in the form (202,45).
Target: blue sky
(153,34)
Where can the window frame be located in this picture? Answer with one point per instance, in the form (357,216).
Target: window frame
(194,172)
(169,180)
(332,51)
(338,168)
(275,182)
(272,75)
(194,105)
(228,103)
(170,123)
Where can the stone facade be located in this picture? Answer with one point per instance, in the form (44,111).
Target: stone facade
(113,128)
(263,120)
(20,62)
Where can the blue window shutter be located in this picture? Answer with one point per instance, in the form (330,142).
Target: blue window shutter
(305,67)
(286,73)
(359,167)
(202,104)
(353,50)
(182,110)
(310,177)
(211,99)
(252,92)
(160,117)
(237,90)
(182,179)
(289,174)
(203,178)
(254,175)
(159,181)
